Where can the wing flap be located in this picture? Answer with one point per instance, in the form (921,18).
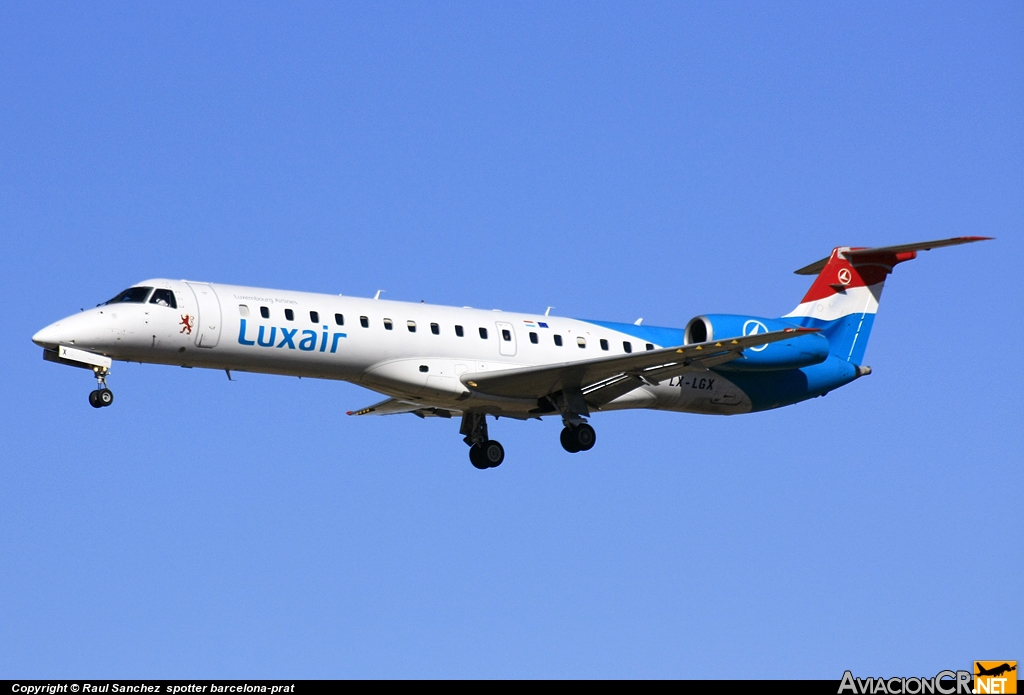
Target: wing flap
(393,406)
(651,366)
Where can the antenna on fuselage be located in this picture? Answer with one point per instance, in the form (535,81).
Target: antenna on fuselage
(638,321)
(549,310)
(377,296)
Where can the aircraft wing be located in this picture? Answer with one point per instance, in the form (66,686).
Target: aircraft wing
(393,406)
(604,379)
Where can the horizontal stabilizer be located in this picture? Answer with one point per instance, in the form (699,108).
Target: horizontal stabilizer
(853,254)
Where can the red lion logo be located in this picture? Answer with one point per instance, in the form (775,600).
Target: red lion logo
(186,324)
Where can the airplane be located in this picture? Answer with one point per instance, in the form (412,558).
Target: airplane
(442,361)
(995,671)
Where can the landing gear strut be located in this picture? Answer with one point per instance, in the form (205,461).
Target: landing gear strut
(102,396)
(484,453)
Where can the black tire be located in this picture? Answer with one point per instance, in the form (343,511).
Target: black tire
(94,399)
(494,453)
(585,437)
(476,457)
(105,397)
(568,439)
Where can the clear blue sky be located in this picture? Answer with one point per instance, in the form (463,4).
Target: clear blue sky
(613,160)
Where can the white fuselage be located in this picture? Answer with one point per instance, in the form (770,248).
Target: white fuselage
(416,352)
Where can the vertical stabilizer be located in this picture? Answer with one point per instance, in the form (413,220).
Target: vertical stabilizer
(844,297)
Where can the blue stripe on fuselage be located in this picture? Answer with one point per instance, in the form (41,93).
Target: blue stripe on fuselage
(662,337)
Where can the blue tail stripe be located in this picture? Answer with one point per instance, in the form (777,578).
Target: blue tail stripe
(847,336)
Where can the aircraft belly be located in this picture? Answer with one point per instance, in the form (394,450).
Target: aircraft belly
(418,376)
(637,398)
(700,392)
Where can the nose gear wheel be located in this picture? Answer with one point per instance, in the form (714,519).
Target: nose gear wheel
(102,396)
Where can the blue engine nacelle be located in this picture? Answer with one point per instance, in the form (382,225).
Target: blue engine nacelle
(802,350)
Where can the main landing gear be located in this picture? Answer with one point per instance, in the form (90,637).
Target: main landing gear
(490,454)
(484,453)
(102,396)
(578,437)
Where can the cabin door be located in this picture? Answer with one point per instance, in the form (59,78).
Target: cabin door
(208,323)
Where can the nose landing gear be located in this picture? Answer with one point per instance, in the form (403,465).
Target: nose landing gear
(102,396)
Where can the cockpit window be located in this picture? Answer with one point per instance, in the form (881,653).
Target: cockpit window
(132,295)
(166,298)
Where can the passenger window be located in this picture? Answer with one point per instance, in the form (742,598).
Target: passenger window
(132,295)
(364,322)
(314,316)
(506,334)
(166,298)
(265,312)
(388,325)
(558,340)
(533,338)
(411,325)
(627,346)
(243,310)
(604,344)
(650,346)
(289,314)
(435,329)
(339,319)
(581,341)
(458,331)
(483,332)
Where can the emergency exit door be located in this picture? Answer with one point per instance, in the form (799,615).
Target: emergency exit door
(506,339)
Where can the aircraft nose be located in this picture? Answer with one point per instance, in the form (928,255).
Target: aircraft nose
(49,337)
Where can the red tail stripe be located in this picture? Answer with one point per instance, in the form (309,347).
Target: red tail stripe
(866,270)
